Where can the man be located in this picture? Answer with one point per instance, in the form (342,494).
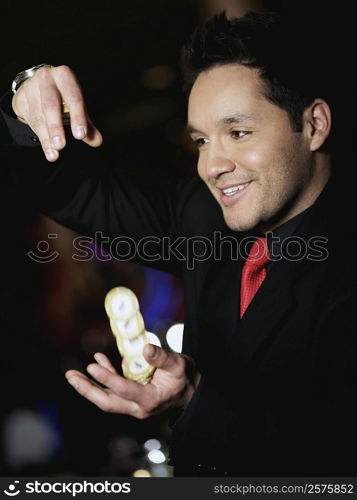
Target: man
(267,381)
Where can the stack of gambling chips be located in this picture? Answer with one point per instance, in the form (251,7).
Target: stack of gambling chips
(128,327)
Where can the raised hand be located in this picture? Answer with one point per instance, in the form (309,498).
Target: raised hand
(39,103)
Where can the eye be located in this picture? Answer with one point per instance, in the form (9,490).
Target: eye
(201,141)
(238,134)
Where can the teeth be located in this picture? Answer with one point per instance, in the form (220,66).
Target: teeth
(230,191)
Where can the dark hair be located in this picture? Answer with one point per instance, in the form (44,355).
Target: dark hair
(266,41)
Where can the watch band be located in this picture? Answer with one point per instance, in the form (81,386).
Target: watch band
(24,75)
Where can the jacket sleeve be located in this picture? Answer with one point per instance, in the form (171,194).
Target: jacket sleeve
(83,193)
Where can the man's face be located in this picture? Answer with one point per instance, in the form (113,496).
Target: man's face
(258,169)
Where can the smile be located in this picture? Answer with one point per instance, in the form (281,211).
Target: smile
(231,190)
(230,194)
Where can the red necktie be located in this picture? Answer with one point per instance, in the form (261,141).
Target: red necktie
(253,272)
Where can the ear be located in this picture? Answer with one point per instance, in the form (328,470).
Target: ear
(317,123)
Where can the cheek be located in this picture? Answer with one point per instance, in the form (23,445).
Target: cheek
(252,160)
(254,165)
(285,171)
(255,156)
(269,160)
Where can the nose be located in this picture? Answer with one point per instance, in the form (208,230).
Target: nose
(217,161)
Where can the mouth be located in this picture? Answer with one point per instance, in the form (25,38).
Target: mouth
(231,194)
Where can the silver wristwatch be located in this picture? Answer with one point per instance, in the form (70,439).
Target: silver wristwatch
(24,75)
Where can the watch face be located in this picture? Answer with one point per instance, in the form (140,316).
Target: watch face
(20,76)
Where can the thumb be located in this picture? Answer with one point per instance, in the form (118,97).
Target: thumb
(159,358)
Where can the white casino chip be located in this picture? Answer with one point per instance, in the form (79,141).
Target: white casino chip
(121,303)
(128,327)
(138,365)
(134,346)
(138,369)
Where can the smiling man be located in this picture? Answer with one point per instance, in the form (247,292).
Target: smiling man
(267,382)
(259,169)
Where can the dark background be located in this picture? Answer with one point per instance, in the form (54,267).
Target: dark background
(125,54)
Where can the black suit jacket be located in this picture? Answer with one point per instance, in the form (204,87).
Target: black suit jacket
(278,388)
(278,394)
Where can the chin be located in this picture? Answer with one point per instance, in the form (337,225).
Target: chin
(238,224)
(243,216)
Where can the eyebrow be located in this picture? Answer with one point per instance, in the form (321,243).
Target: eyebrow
(227,120)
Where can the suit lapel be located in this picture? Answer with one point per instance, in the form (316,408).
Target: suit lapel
(275,298)
(271,303)
(240,341)
(219,300)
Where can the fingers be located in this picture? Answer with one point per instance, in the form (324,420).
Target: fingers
(38,124)
(38,102)
(93,138)
(167,388)
(52,111)
(126,389)
(45,111)
(71,94)
(159,358)
(102,360)
(102,398)
(81,125)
